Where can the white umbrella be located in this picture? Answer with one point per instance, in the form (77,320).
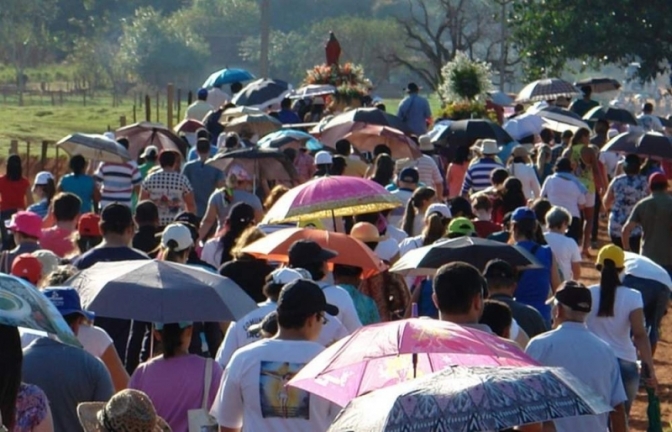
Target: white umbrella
(94,147)
(313,90)
(524,125)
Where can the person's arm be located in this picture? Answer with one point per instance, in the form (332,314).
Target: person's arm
(608,200)
(116,368)
(210,217)
(641,340)
(47,424)
(144,194)
(226,429)
(29,196)
(576,270)
(618,419)
(190,202)
(555,275)
(466,184)
(534,184)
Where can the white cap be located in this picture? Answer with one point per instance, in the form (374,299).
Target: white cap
(285,275)
(180,234)
(240,173)
(43,177)
(439,208)
(387,249)
(323,158)
(150,150)
(49,260)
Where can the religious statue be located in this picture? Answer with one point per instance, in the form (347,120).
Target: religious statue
(332,49)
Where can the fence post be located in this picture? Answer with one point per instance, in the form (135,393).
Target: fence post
(148,108)
(135,120)
(84,96)
(190,97)
(158,118)
(28,159)
(60,97)
(179,104)
(14,147)
(43,155)
(170,96)
(122,121)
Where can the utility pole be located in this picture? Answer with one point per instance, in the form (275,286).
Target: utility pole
(504,46)
(265,37)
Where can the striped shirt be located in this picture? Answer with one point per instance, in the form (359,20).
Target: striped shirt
(117,181)
(428,170)
(477,176)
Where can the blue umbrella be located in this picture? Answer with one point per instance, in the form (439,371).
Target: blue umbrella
(286,136)
(227,76)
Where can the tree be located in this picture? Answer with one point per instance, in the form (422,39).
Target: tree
(159,50)
(550,33)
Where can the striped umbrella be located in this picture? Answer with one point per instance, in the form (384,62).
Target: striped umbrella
(547,89)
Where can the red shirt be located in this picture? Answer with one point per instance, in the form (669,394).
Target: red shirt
(13,193)
(485,228)
(57,240)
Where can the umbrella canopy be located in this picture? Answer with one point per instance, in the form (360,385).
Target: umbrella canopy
(599,85)
(381,355)
(500,98)
(188,126)
(328,197)
(559,119)
(94,147)
(235,112)
(473,250)
(351,251)
(313,90)
(143,134)
(227,76)
(665,122)
(266,164)
(257,124)
(524,125)
(22,305)
(338,126)
(160,291)
(368,137)
(466,132)
(290,138)
(263,93)
(460,399)
(547,89)
(611,114)
(651,144)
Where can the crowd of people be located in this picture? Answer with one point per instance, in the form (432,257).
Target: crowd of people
(232,376)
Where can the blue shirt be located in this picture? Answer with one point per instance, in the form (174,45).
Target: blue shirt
(587,357)
(40,208)
(534,285)
(477,176)
(192,155)
(82,186)
(288,117)
(204,179)
(414,111)
(108,254)
(365,305)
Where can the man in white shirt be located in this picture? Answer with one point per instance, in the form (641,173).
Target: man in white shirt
(648,121)
(253,393)
(308,255)
(200,108)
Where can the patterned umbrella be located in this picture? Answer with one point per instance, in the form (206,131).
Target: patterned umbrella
(476,399)
(599,85)
(368,137)
(94,147)
(263,93)
(338,126)
(262,164)
(547,89)
(142,134)
(611,114)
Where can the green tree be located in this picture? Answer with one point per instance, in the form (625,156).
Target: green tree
(550,33)
(159,50)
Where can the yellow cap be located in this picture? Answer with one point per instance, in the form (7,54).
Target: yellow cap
(611,252)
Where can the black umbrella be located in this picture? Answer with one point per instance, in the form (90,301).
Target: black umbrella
(465,132)
(472,250)
(648,145)
(599,85)
(611,114)
(665,122)
(263,93)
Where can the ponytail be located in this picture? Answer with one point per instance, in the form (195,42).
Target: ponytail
(170,252)
(417,200)
(609,281)
(435,228)
(408,219)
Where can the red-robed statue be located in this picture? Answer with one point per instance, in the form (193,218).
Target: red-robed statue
(332,49)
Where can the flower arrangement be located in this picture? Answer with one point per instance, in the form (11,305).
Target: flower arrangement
(465,110)
(464,79)
(348,74)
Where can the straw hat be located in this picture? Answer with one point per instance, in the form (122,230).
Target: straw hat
(127,411)
(366,233)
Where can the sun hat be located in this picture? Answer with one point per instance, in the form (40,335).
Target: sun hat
(305,252)
(27,267)
(150,151)
(462,226)
(89,225)
(574,295)
(611,252)
(439,208)
(425,143)
(412,88)
(409,175)
(49,260)
(657,178)
(26,222)
(365,232)
(128,411)
(42,178)
(67,301)
(178,233)
(489,147)
(304,297)
(323,158)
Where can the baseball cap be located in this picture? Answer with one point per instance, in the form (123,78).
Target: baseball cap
(611,252)
(409,175)
(188,217)
(657,178)
(304,252)
(89,225)
(43,177)
(67,301)
(523,213)
(439,208)
(202,93)
(574,295)
(150,151)
(462,226)
(27,267)
(285,275)
(304,297)
(178,233)
(499,269)
(323,158)
(26,222)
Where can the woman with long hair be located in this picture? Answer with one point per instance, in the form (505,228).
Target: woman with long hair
(44,189)
(520,167)
(24,407)
(617,317)
(413,222)
(15,195)
(508,199)
(80,184)
(217,251)
(383,171)
(456,171)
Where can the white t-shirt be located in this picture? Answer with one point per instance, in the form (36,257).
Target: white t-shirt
(528,177)
(565,250)
(94,339)
(396,233)
(643,267)
(237,335)
(564,193)
(615,330)
(396,215)
(610,161)
(347,313)
(253,392)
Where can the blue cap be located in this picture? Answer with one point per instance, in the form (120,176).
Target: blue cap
(409,175)
(183,325)
(202,93)
(523,213)
(67,301)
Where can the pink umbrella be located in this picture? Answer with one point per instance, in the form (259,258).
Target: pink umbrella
(382,355)
(366,138)
(328,197)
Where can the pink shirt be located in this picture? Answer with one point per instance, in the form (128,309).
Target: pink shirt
(175,386)
(57,240)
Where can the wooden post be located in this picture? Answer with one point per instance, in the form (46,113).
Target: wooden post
(170,96)
(134,114)
(122,121)
(148,109)
(158,95)
(179,104)
(57,164)
(43,155)
(60,97)
(84,96)
(28,174)
(14,147)
(53,99)
(190,97)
